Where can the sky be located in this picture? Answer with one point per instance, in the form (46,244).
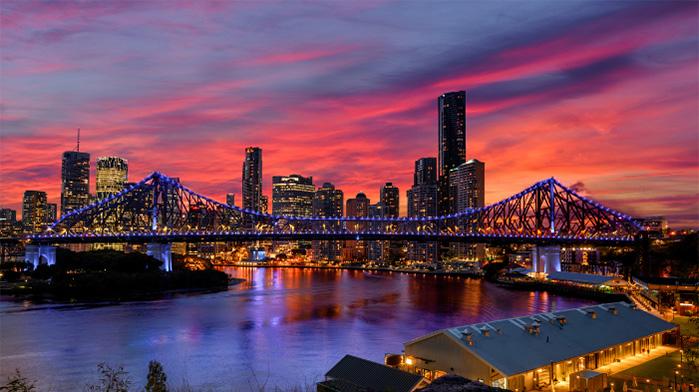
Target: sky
(600,95)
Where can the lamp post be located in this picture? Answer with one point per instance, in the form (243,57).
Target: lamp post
(676,372)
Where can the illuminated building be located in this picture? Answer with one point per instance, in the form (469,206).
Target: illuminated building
(585,259)
(252,179)
(33,211)
(264,204)
(422,202)
(390,200)
(230,199)
(452,142)
(8,223)
(111,176)
(357,207)
(467,184)
(327,202)
(51,213)
(539,351)
(75,181)
(655,226)
(292,195)
(377,250)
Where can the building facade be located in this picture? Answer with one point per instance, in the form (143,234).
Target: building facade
(51,213)
(230,199)
(451,109)
(252,179)
(422,202)
(75,181)
(9,227)
(467,184)
(292,195)
(328,202)
(112,174)
(33,211)
(356,207)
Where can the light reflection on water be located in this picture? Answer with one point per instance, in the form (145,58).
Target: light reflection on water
(282,327)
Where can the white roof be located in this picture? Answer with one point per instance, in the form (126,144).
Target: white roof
(511,349)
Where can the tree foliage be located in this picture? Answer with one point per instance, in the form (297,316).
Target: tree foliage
(111,379)
(18,383)
(157,380)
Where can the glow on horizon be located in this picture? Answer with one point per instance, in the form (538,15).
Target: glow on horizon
(602,95)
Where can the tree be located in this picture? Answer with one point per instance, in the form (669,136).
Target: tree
(157,380)
(111,379)
(18,383)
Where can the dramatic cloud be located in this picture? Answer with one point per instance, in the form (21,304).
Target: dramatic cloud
(603,94)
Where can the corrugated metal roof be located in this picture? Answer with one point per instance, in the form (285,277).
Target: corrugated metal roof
(579,277)
(510,348)
(372,376)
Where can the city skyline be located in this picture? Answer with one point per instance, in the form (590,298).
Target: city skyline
(590,116)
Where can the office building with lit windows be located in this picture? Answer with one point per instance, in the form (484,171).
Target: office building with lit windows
(533,352)
(422,202)
(9,227)
(292,195)
(230,199)
(75,181)
(356,207)
(252,179)
(467,185)
(328,202)
(451,108)
(51,213)
(34,211)
(112,174)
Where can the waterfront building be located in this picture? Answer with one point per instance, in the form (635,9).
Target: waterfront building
(8,223)
(292,195)
(252,179)
(586,259)
(264,204)
(533,352)
(111,175)
(422,202)
(328,202)
(655,226)
(75,181)
(467,184)
(356,207)
(358,374)
(51,213)
(33,211)
(451,109)
(230,199)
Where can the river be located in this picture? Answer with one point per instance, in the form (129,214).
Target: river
(281,328)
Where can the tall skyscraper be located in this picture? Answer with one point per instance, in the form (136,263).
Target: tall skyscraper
(422,201)
(252,179)
(111,176)
(425,171)
(8,223)
(327,202)
(359,206)
(390,200)
(468,191)
(75,181)
(33,211)
(452,142)
(51,213)
(292,195)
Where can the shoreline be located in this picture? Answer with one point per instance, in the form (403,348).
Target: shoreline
(364,269)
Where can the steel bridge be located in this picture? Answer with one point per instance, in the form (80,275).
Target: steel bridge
(160,209)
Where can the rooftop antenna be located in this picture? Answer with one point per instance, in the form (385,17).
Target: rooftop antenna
(78,146)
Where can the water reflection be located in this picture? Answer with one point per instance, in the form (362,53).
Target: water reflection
(286,326)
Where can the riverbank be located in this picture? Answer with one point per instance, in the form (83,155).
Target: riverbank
(567,290)
(463,274)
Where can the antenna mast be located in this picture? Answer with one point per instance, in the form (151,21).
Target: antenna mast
(78,146)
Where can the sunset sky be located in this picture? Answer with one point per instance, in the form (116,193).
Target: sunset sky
(604,95)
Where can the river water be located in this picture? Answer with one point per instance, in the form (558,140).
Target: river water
(281,328)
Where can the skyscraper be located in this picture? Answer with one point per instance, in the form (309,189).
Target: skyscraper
(33,211)
(357,207)
(252,179)
(468,191)
(8,223)
(390,200)
(327,202)
(230,199)
(292,195)
(422,201)
(51,213)
(452,142)
(75,181)
(111,176)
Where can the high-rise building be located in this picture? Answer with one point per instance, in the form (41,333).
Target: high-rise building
(51,213)
(390,200)
(452,142)
(33,211)
(327,202)
(8,223)
(111,176)
(292,195)
(468,191)
(75,181)
(252,179)
(230,199)
(264,204)
(422,202)
(356,207)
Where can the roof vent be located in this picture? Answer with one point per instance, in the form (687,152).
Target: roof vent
(534,329)
(485,331)
(562,320)
(467,337)
(592,314)
(613,310)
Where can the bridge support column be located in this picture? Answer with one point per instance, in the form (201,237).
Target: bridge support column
(546,259)
(162,252)
(38,254)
